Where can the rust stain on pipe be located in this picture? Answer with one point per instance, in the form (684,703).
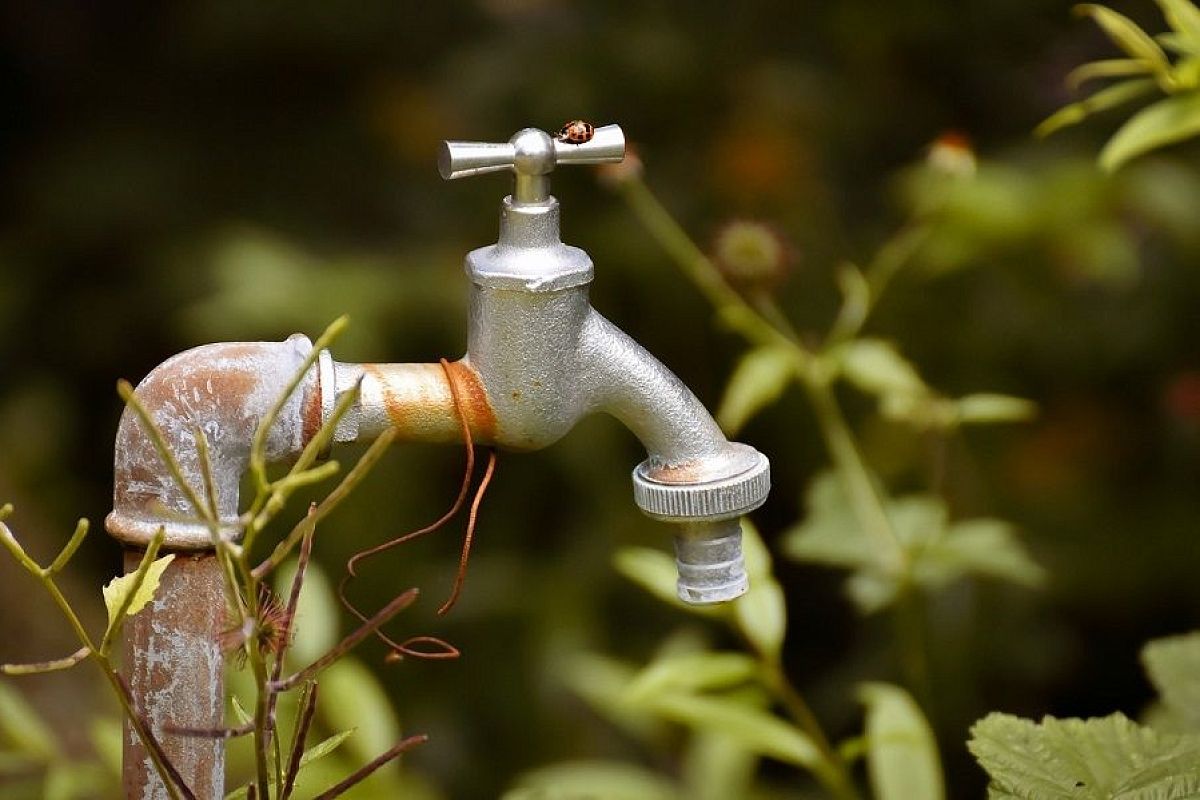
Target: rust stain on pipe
(174,666)
(224,390)
(418,401)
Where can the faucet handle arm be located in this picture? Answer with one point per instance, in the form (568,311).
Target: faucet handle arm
(531,154)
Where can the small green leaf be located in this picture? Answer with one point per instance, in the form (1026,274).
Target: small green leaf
(354,699)
(1173,665)
(757,381)
(1097,759)
(902,755)
(755,729)
(986,547)
(985,408)
(118,589)
(717,767)
(239,711)
(324,747)
(22,728)
(1110,68)
(1129,37)
(577,780)
(691,672)
(1108,97)
(761,615)
(1184,18)
(1178,43)
(876,367)
(603,683)
(1168,121)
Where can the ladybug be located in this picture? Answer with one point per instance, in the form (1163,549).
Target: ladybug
(576,132)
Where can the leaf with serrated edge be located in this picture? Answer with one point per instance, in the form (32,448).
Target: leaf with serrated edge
(118,588)
(757,381)
(1110,758)
(902,755)
(1168,121)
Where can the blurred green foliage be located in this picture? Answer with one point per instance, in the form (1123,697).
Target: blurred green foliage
(174,174)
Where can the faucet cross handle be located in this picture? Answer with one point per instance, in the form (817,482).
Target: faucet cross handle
(531,154)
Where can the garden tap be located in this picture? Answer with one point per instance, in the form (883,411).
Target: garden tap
(539,358)
(545,358)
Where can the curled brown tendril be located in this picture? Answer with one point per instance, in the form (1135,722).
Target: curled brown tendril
(409,647)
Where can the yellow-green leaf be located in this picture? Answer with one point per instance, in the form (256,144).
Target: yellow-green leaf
(1106,98)
(1184,18)
(984,408)
(691,672)
(119,588)
(1168,121)
(876,366)
(1129,37)
(757,381)
(1109,68)
(753,728)
(902,755)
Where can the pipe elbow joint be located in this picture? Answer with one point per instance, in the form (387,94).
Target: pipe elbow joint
(225,391)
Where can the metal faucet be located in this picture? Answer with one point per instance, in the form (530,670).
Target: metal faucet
(539,358)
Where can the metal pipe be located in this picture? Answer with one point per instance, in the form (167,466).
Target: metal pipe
(173,660)
(173,665)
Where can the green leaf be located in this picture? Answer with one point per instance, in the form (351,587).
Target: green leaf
(691,672)
(1109,68)
(902,755)
(1168,121)
(22,727)
(755,729)
(717,767)
(603,683)
(761,615)
(757,381)
(1173,665)
(354,699)
(324,748)
(1184,18)
(1097,759)
(1129,37)
(984,408)
(118,589)
(876,367)
(576,780)
(938,551)
(1177,43)
(1108,97)
(987,547)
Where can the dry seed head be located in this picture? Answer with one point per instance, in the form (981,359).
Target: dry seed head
(752,254)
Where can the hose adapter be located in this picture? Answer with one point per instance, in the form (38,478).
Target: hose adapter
(706,497)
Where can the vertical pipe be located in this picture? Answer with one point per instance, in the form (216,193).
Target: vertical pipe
(173,664)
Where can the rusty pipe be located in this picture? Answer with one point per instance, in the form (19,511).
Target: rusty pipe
(173,662)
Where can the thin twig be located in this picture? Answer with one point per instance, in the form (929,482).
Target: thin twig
(444,652)
(60,561)
(397,605)
(39,667)
(211,733)
(362,773)
(331,501)
(308,706)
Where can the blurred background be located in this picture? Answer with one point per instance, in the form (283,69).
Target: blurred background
(174,174)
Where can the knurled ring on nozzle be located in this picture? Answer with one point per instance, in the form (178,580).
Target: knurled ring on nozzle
(724,485)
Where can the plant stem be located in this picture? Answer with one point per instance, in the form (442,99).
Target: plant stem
(836,776)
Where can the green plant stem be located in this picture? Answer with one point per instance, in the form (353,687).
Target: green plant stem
(836,776)
(262,702)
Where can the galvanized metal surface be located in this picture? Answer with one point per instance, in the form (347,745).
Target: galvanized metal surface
(173,664)
(224,390)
